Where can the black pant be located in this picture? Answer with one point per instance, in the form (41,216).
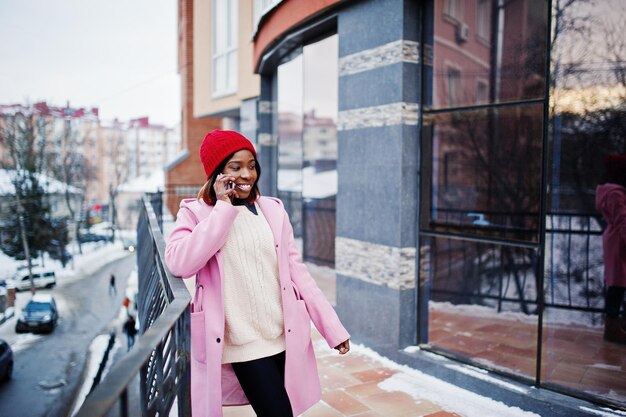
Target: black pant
(614,299)
(263,382)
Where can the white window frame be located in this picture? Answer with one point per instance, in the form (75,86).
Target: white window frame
(262,7)
(483,20)
(453,9)
(454,95)
(224,30)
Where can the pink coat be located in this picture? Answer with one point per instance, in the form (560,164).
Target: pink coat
(611,202)
(194,248)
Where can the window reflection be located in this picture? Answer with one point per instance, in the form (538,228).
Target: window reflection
(290,115)
(588,97)
(486,172)
(483,302)
(487,51)
(307,146)
(320,149)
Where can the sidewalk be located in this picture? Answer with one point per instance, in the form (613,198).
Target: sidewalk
(364,384)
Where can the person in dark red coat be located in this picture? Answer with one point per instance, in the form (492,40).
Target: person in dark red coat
(611,202)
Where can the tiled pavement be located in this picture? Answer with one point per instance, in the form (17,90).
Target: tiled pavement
(351,387)
(363,384)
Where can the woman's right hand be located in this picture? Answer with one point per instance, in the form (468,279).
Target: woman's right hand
(223,187)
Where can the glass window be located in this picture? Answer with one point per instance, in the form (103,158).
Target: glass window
(452,8)
(289,128)
(483,19)
(225,27)
(453,85)
(482,146)
(485,172)
(513,64)
(483,302)
(307,89)
(587,113)
(320,149)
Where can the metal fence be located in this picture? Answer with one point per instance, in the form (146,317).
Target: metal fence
(491,274)
(157,369)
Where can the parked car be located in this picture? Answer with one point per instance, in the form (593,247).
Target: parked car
(93,237)
(130,245)
(60,253)
(6,361)
(42,278)
(39,314)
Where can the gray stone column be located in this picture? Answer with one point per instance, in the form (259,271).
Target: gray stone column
(377,202)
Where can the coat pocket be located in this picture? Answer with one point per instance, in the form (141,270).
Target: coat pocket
(198,330)
(303,323)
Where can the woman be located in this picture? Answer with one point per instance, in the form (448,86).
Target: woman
(254,300)
(611,202)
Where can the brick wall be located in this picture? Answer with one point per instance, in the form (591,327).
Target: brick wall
(188,172)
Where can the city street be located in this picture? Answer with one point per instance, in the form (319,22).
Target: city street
(48,368)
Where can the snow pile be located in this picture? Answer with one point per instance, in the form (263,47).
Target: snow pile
(448,396)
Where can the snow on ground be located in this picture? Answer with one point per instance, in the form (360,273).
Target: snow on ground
(96,352)
(448,396)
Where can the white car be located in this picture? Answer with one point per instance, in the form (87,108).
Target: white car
(43,278)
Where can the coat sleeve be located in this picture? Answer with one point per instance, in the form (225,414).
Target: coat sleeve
(322,313)
(616,213)
(192,243)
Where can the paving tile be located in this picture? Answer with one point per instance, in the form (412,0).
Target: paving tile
(443,414)
(321,410)
(399,404)
(333,378)
(350,363)
(364,390)
(238,411)
(344,403)
(374,375)
(369,414)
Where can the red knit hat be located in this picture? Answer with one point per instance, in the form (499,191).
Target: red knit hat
(217,145)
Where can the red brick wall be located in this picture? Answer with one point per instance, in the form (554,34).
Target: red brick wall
(188,172)
(285,16)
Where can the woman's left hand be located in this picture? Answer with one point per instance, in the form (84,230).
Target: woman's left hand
(343,347)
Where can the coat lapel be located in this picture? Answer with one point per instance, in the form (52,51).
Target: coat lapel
(274,216)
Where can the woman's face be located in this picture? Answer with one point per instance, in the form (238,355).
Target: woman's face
(242,166)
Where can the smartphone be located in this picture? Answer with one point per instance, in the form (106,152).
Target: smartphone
(230,185)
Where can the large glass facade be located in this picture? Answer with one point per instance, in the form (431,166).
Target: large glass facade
(307,84)
(587,113)
(482,144)
(511,254)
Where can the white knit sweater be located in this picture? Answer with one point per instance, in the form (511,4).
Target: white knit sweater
(252,303)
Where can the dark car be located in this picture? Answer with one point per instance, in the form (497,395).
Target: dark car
(130,245)
(92,237)
(39,315)
(6,361)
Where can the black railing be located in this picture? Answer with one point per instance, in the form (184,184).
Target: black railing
(495,275)
(157,369)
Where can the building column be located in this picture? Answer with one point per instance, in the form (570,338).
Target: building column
(378,200)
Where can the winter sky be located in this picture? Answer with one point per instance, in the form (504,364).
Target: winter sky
(117,55)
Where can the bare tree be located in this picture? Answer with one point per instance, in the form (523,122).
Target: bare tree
(117,155)
(71,167)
